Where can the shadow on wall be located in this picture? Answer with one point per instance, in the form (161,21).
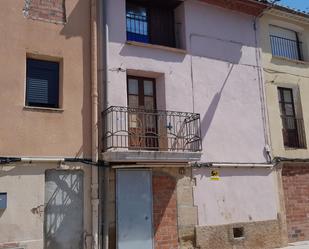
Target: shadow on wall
(63,215)
(22,170)
(211,111)
(78,25)
(154,54)
(216,48)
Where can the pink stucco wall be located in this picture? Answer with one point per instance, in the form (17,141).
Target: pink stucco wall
(225,78)
(218,78)
(240,195)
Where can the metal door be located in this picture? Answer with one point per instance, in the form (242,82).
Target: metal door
(134,209)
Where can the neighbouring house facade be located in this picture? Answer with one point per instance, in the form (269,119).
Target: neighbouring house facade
(285,44)
(185,128)
(153,124)
(45,117)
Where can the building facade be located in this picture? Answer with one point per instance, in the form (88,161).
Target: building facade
(185,127)
(285,43)
(46,108)
(195,110)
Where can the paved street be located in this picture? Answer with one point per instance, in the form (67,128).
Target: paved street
(298,245)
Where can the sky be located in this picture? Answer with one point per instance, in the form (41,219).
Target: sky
(298,4)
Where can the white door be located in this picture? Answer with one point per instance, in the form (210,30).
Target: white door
(134,209)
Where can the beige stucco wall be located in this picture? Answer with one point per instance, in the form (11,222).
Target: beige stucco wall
(23,220)
(28,132)
(281,72)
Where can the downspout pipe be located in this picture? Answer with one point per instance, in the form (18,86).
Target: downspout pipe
(94,126)
(103,36)
(264,110)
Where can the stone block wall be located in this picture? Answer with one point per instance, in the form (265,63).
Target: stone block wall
(256,235)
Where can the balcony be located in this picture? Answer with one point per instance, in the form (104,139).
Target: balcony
(287,48)
(132,134)
(293,132)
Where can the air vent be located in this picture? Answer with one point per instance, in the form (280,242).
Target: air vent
(238,233)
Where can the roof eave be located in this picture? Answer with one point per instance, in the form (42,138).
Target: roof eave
(250,7)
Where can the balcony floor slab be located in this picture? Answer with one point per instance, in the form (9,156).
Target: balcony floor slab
(150,156)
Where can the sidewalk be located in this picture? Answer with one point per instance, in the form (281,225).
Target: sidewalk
(298,245)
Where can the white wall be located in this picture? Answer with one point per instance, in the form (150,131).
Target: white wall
(240,195)
(223,87)
(224,77)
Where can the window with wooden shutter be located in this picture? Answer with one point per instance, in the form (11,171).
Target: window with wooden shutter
(151,22)
(42,85)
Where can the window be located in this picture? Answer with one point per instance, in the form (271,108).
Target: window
(142,118)
(285,43)
(42,84)
(292,127)
(151,23)
(137,23)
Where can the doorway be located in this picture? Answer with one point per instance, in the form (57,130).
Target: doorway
(134,209)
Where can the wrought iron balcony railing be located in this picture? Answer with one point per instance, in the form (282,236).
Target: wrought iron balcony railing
(139,129)
(287,48)
(293,132)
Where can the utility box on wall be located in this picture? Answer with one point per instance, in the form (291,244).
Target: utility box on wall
(3,201)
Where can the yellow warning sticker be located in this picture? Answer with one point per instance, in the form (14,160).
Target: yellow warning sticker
(215,175)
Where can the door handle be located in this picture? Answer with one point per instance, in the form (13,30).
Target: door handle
(146,217)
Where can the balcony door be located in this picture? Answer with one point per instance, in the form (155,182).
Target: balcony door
(289,121)
(142,113)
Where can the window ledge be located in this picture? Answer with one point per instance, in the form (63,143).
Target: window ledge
(43,109)
(147,45)
(290,60)
(293,149)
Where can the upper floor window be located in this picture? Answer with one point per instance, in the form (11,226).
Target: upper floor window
(151,23)
(285,43)
(42,84)
(137,23)
(292,126)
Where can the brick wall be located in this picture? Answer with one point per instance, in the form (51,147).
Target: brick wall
(295,179)
(164,212)
(47,10)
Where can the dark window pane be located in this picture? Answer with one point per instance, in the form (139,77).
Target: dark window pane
(289,109)
(133,86)
(148,87)
(137,23)
(42,83)
(287,96)
(149,103)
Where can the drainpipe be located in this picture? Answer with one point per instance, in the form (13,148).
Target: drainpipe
(264,109)
(94,127)
(103,36)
